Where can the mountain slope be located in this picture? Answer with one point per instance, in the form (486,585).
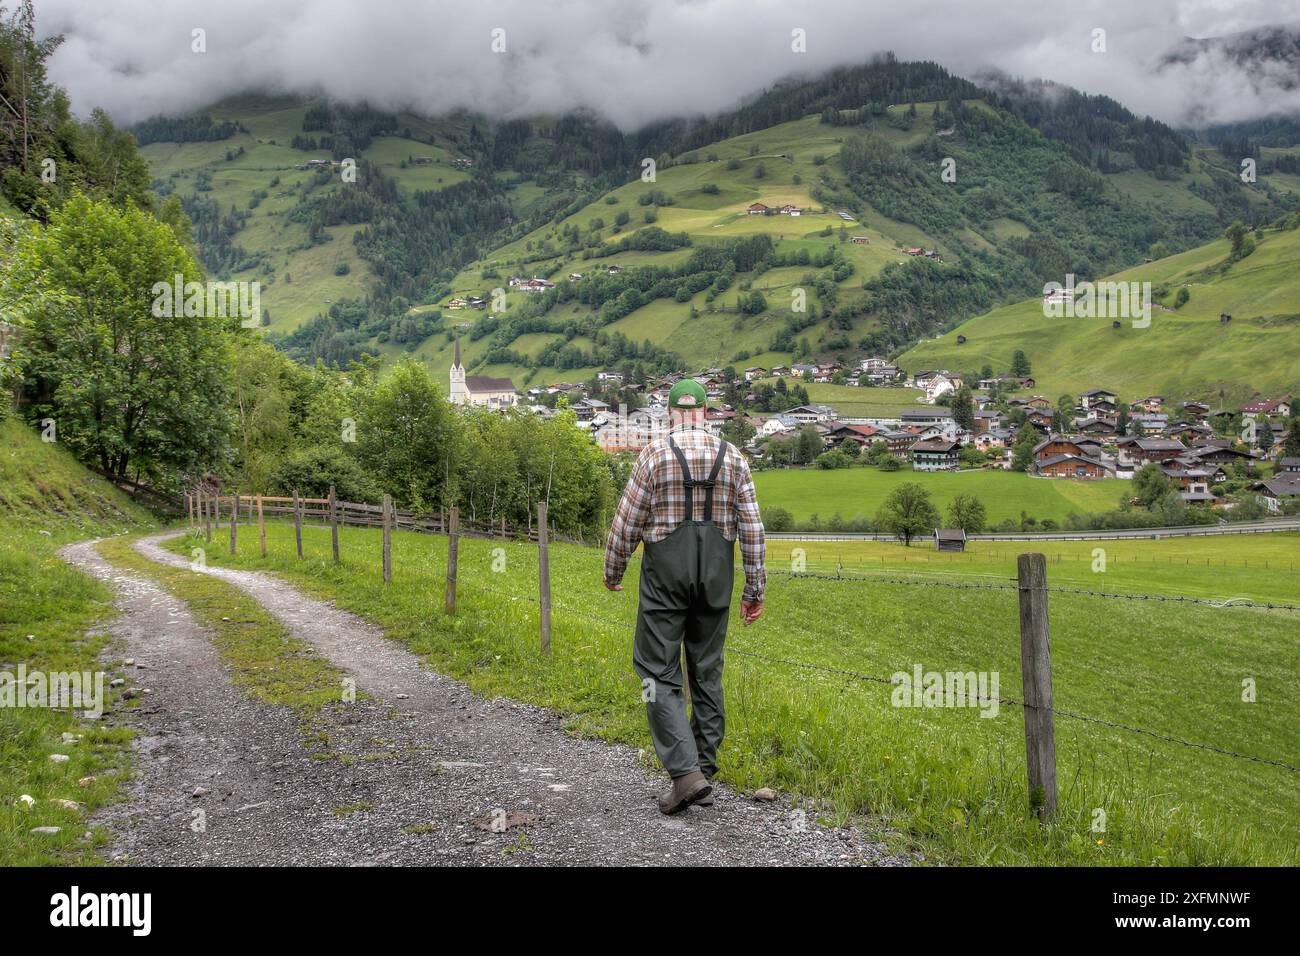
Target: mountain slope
(1186,353)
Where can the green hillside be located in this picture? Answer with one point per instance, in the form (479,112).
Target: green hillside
(1186,353)
(47,611)
(372,267)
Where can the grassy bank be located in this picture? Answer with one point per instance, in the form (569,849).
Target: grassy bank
(50,620)
(943,779)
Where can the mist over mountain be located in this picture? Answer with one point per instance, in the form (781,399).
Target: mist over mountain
(636,62)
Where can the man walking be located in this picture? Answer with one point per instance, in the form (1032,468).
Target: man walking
(688,499)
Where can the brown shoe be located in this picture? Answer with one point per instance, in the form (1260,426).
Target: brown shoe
(686,789)
(707,799)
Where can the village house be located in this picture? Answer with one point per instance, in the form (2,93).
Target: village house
(899,442)
(1134,452)
(1266,408)
(861,434)
(1196,410)
(935,454)
(756,209)
(755,371)
(1279,490)
(1059,457)
(1097,396)
(780,371)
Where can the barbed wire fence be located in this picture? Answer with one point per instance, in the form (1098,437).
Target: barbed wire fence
(1030,586)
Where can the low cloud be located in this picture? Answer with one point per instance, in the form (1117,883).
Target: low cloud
(636,61)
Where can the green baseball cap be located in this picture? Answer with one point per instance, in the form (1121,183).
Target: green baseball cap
(688,393)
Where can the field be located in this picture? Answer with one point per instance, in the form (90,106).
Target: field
(1184,354)
(860,491)
(941,780)
(47,615)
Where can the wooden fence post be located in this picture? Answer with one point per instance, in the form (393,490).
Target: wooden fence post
(334,524)
(388,538)
(544,578)
(207,518)
(297,520)
(189,509)
(234,523)
(453,557)
(1036,671)
(261,526)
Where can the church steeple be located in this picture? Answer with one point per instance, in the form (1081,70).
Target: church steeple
(458,392)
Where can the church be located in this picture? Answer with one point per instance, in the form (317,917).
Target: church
(483,390)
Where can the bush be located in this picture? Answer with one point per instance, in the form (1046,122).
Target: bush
(777,519)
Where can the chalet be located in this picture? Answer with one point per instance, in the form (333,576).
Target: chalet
(1041,418)
(1089,398)
(940,383)
(789,209)
(899,443)
(457,304)
(777,425)
(780,371)
(1189,432)
(935,454)
(1152,404)
(988,419)
(754,371)
(1038,401)
(476,302)
(861,240)
(1192,481)
(1196,410)
(1097,427)
(530,285)
(803,370)
(1006,381)
(1073,466)
(589,408)
(1264,408)
(1137,451)
(916,251)
(861,434)
(575,276)
(756,209)
(615,378)
(1279,490)
(950,539)
(1220,455)
(615,269)
(1149,425)
(1288,465)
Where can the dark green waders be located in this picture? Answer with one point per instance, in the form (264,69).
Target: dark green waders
(684,599)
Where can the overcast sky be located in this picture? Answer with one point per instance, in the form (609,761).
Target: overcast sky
(637,60)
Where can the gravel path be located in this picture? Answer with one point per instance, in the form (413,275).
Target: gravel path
(426,772)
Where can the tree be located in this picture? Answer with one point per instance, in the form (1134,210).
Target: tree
(1236,234)
(907,512)
(1291,443)
(1020,366)
(966,512)
(1064,410)
(963,410)
(135,394)
(405,437)
(1150,485)
(1022,453)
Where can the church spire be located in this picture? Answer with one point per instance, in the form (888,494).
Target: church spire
(456,361)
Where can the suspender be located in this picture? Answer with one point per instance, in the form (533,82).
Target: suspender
(690,483)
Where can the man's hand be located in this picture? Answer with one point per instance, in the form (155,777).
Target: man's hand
(751,611)
(613,587)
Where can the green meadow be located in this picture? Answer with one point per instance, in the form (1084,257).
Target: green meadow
(859,492)
(944,781)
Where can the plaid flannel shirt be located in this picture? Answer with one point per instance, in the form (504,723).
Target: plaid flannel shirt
(654,503)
